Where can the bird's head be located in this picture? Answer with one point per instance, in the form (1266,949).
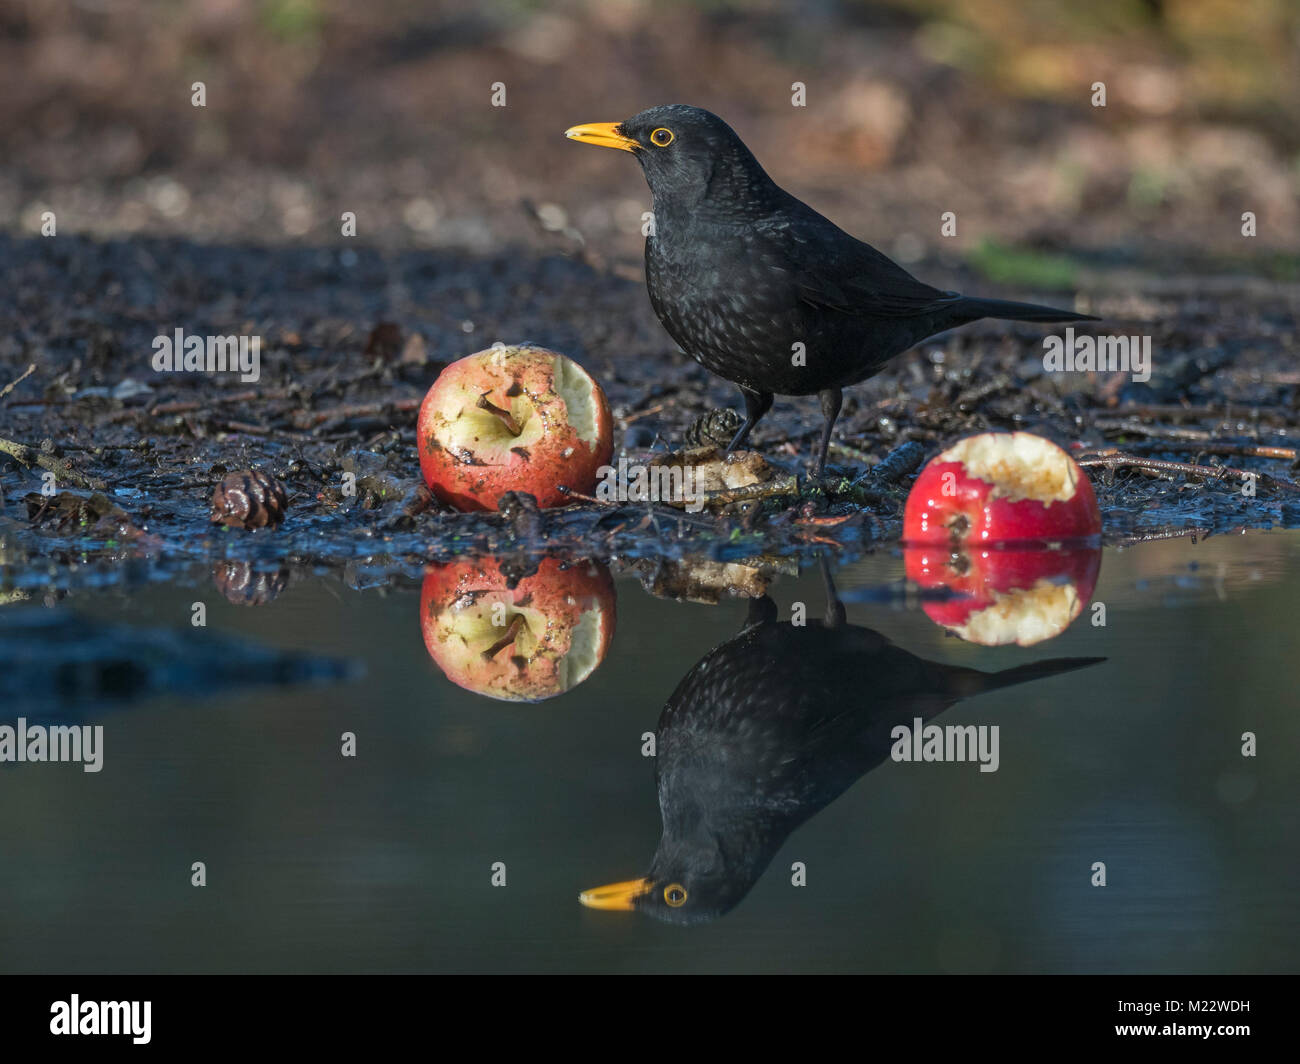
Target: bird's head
(690,881)
(674,898)
(687,154)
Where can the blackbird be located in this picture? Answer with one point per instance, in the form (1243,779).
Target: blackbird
(762,290)
(767,730)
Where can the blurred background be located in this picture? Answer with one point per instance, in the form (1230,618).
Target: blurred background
(913,107)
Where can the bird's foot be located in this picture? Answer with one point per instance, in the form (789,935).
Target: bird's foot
(844,484)
(831,483)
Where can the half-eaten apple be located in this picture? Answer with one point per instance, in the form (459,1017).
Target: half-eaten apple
(513,418)
(1001,487)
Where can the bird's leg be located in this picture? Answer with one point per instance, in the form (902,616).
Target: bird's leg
(832,399)
(756,405)
(835,613)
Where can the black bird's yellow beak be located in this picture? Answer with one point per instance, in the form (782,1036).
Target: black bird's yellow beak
(605,134)
(616,896)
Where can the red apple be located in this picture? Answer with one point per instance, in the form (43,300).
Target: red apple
(513,419)
(1005,596)
(1001,487)
(523,644)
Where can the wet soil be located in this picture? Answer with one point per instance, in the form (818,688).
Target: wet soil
(107,459)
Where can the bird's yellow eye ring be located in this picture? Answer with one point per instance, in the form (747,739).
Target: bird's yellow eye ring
(661,137)
(675,893)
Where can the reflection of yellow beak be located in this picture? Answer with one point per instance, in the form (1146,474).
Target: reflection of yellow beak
(603,133)
(620,896)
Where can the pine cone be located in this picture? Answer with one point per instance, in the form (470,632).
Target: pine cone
(716,428)
(249,499)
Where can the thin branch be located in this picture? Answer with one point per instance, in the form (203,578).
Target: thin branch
(30,456)
(17,381)
(1156,465)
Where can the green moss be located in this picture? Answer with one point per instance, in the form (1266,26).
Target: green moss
(1022,267)
(1146,188)
(293,20)
(1284,266)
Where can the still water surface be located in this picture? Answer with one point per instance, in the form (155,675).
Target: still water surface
(385,861)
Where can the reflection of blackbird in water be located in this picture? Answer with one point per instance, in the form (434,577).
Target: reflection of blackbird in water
(768,729)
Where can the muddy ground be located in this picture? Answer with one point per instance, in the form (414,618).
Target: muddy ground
(353,337)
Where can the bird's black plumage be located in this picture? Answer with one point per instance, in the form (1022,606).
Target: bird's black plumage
(769,728)
(740,272)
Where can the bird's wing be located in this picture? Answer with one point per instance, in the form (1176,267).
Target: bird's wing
(838,272)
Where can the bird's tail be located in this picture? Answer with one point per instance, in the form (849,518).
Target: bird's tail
(970,682)
(970,309)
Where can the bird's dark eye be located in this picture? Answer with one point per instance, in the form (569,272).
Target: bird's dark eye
(662,137)
(674,893)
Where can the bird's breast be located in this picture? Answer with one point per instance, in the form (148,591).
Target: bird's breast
(728,303)
(730,297)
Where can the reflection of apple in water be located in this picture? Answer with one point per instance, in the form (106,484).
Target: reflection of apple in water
(523,644)
(1001,487)
(1006,595)
(518,418)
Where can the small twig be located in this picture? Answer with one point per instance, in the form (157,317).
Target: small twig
(17,381)
(30,456)
(1239,450)
(565,490)
(1139,428)
(1156,465)
(308,420)
(1177,411)
(247,428)
(637,415)
(184,406)
(771,489)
